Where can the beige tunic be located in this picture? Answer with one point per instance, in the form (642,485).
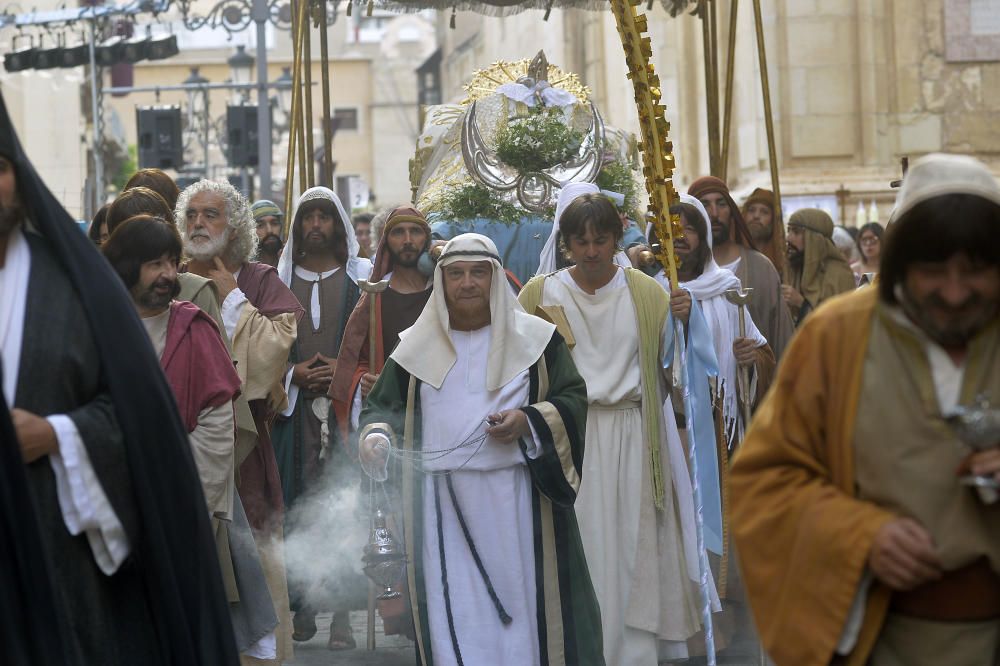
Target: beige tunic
(906,456)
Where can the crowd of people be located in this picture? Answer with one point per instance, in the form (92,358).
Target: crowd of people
(604,466)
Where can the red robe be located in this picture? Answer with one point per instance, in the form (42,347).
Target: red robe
(259,481)
(197,364)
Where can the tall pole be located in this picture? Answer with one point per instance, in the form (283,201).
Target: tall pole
(772,151)
(98,129)
(728,110)
(324,52)
(307,118)
(207,124)
(259,14)
(711,87)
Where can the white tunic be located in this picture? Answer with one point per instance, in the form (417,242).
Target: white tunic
(493,488)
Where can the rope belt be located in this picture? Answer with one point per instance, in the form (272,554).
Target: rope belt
(505,618)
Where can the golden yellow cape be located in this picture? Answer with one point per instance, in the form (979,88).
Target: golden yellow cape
(802,535)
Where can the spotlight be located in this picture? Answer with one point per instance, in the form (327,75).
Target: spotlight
(18,61)
(48,58)
(74,56)
(135,49)
(161,48)
(109,52)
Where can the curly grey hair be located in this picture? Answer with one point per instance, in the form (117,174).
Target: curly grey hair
(243,246)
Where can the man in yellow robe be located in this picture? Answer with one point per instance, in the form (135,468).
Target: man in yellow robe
(859,544)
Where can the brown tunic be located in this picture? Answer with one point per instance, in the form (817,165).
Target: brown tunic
(326,341)
(399,311)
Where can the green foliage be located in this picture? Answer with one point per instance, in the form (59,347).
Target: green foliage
(617,177)
(471,201)
(538,141)
(128,167)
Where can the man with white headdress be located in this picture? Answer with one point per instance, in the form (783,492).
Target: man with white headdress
(636,512)
(480,413)
(552,258)
(321,266)
(700,275)
(260,315)
(708,283)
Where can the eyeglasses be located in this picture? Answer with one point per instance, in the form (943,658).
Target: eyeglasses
(869,240)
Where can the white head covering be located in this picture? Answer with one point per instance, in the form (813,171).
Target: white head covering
(713,279)
(722,318)
(570,191)
(517,339)
(938,174)
(358,268)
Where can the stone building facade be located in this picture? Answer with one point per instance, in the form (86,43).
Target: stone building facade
(855,86)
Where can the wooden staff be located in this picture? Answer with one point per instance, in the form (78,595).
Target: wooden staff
(324,57)
(307,116)
(728,108)
(772,151)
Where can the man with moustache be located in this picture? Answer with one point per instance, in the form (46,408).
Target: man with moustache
(766,228)
(733,249)
(321,267)
(405,238)
(859,542)
(817,270)
(145,252)
(270,229)
(495,572)
(113,488)
(260,315)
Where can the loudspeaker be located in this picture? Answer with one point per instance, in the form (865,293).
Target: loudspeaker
(161,144)
(241,126)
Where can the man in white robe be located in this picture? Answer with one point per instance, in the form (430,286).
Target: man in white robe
(635,507)
(484,408)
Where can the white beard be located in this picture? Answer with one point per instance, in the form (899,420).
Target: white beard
(201,249)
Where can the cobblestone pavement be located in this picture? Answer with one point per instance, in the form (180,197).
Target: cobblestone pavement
(390,650)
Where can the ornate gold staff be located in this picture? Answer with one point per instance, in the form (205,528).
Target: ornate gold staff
(658,161)
(656,148)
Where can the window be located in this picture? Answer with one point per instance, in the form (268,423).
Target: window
(345,119)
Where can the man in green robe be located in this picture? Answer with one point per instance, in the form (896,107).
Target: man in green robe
(480,413)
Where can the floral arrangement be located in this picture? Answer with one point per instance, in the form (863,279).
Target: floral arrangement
(471,201)
(537,141)
(617,177)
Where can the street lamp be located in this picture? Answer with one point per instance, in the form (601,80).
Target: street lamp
(240,68)
(285,82)
(198,108)
(196,101)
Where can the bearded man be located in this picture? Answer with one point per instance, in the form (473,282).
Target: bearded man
(734,250)
(766,228)
(321,267)
(699,274)
(405,238)
(496,572)
(120,513)
(817,270)
(859,541)
(270,223)
(260,315)
(145,252)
